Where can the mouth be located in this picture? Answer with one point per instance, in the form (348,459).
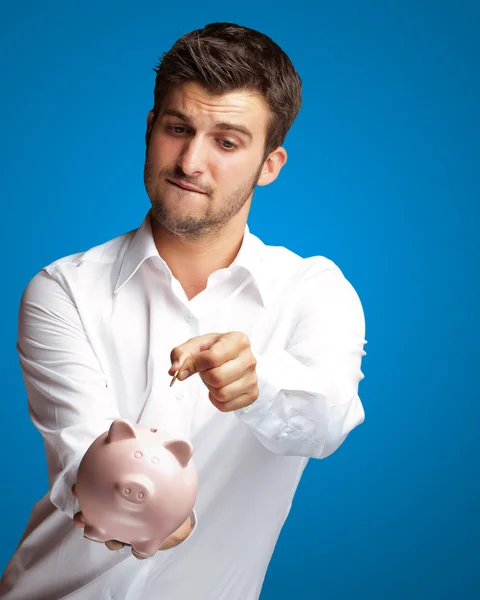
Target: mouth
(184,186)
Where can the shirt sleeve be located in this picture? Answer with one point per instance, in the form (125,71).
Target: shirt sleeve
(68,398)
(308,391)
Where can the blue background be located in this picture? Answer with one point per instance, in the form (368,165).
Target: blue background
(383,178)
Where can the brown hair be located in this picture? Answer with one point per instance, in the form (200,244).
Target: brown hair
(224,57)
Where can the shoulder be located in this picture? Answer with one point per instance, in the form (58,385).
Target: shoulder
(87,269)
(285,264)
(97,256)
(313,281)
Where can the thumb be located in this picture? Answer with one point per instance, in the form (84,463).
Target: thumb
(182,357)
(79,520)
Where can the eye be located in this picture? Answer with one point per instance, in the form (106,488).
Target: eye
(231,145)
(173,129)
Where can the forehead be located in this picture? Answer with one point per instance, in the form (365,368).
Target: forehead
(203,108)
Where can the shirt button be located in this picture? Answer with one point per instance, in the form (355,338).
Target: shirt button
(179,395)
(283,435)
(189,318)
(246,409)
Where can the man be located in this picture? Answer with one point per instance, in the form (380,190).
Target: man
(267,345)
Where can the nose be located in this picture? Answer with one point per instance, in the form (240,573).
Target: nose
(136,489)
(193,158)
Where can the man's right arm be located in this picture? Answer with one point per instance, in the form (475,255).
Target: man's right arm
(68,398)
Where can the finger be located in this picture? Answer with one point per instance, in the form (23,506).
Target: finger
(236,404)
(114,545)
(226,348)
(242,367)
(74,490)
(168,543)
(79,520)
(244,385)
(194,345)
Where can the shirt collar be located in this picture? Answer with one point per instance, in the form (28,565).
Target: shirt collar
(141,247)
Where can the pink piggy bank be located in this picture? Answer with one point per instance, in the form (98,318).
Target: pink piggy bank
(136,485)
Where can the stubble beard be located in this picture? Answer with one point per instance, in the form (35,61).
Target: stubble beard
(192,227)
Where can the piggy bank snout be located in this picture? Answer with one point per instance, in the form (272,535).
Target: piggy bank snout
(136,489)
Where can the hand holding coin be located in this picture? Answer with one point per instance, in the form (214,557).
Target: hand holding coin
(226,365)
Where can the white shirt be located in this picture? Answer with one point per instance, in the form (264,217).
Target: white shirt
(95,334)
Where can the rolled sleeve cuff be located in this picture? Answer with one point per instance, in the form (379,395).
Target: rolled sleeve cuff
(275,374)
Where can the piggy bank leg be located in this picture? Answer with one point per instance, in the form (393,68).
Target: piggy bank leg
(95,534)
(146,548)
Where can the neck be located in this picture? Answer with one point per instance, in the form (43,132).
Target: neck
(193,261)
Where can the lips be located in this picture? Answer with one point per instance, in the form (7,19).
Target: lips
(184,186)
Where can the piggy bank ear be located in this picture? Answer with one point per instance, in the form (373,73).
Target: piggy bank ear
(120,430)
(181,449)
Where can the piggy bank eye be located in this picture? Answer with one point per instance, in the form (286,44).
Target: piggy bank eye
(153,429)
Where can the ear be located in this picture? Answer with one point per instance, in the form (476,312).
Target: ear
(181,449)
(150,123)
(272,166)
(120,430)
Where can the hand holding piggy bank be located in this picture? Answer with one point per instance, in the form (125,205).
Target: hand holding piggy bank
(136,485)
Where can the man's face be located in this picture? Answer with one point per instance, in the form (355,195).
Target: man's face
(192,143)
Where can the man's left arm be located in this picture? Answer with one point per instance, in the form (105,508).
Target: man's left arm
(308,393)
(302,400)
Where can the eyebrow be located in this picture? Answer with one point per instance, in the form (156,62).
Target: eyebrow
(225,126)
